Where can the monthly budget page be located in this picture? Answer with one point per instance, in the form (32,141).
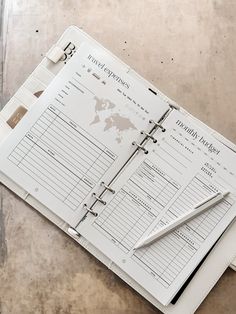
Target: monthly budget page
(184,167)
(79,132)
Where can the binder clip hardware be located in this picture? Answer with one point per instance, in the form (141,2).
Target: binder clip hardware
(89,210)
(157,125)
(140,147)
(108,188)
(99,199)
(149,136)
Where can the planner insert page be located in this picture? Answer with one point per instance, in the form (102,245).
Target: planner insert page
(80,132)
(184,167)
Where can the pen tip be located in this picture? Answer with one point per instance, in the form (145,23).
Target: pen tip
(225,193)
(137,246)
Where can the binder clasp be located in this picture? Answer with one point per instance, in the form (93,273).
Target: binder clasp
(99,199)
(140,147)
(149,136)
(157,125)
(107,187)
(90,210)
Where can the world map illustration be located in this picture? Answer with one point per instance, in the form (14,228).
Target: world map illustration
(105,112)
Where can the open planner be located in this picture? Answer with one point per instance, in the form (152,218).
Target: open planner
(109,159)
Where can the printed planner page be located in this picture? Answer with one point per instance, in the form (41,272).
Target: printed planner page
(184,167)
(79,133)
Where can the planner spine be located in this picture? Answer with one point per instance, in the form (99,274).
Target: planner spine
(149,135)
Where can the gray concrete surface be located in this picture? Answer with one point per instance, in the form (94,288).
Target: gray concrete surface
(187,49)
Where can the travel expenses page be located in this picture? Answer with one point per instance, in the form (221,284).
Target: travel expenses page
(80,132)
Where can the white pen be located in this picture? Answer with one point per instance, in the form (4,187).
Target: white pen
(198,209)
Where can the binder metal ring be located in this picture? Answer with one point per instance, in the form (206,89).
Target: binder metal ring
(99,199)
(140,147)
(157,125)
(107,187)
(149,136)
(90,210)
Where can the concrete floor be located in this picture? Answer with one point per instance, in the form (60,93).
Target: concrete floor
(187,49)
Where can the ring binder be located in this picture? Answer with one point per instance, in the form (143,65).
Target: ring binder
(99,198)
(149,136)
(90,210)
(107,187)
(185,306)
(140,147)
(157,125)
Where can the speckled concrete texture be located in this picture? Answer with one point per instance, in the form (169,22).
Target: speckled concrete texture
(187,49)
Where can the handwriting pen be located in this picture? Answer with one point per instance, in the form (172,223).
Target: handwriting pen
(209,202)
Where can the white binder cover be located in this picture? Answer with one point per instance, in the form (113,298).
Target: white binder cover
(26,95)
